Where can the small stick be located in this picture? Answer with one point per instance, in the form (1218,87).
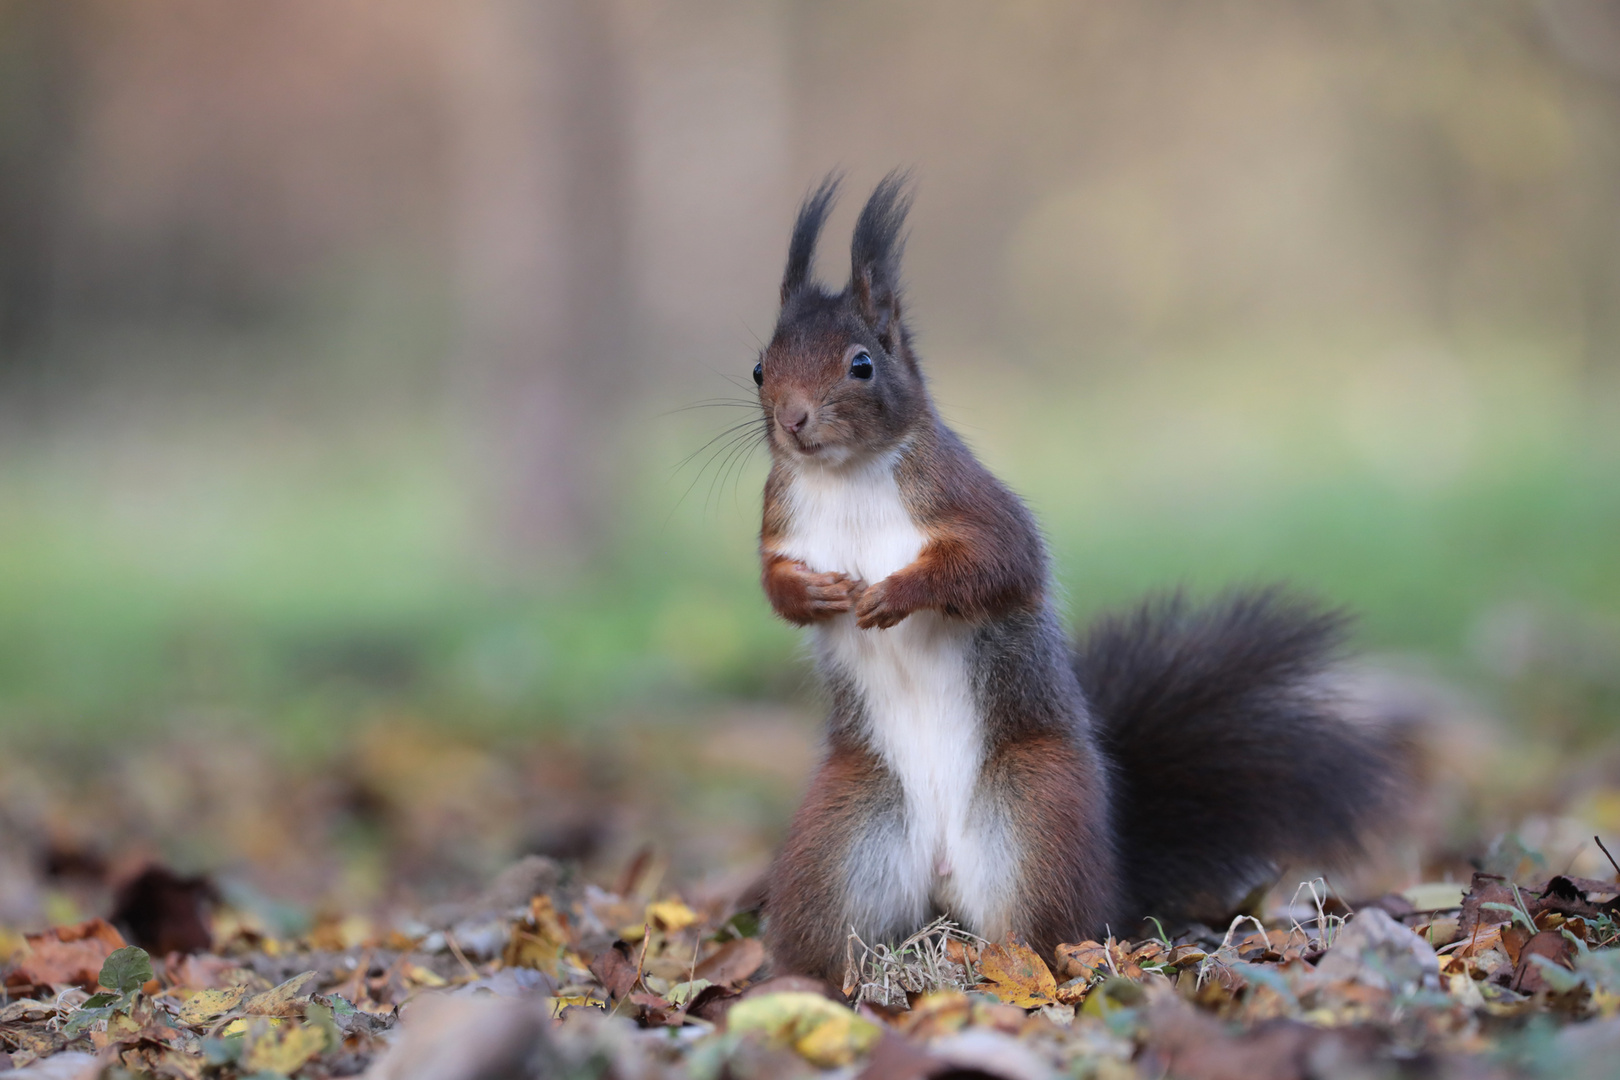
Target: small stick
(450,940)
(1606,855)
(646,932)
(360,974)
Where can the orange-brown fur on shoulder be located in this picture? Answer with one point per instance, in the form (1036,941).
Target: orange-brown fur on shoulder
(977,766)
(983,558)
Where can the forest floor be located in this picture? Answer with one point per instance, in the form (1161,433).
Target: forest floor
(422,906)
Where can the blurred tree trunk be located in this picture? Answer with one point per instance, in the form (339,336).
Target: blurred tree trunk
(39,73)
(542,287)
(1585,35)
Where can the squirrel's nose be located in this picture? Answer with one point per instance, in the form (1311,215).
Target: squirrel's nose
(793,418)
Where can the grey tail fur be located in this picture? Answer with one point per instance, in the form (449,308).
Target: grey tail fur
(1230,759)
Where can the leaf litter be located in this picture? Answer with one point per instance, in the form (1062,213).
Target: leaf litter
(628,964)
(594,983)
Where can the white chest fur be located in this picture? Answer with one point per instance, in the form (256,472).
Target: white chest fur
(923,722)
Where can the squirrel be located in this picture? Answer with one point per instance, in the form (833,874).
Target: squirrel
(978,764)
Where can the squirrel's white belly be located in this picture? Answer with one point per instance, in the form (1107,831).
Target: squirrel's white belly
(915,682)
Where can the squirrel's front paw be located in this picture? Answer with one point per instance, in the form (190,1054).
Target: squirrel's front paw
(879,608)
(801,595)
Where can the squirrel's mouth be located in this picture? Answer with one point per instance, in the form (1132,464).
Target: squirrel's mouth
(802,443)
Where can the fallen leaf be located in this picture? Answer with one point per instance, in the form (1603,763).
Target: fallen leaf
(1083,959)
(733,963)
(671,914)
(1528,976)
(126,970)
(615,970)
(1434,896)
(823,1032)
(936,1014)
(539,941)
(712,1004)
(418,975)
(204,1005)
(66,956)
(1017,975)
(282,1049)
(682,993)
(281,1000)
(1485,889)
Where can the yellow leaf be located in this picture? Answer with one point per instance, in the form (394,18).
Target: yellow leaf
(1017,975)
(283,999)
(823,1032)
(683,992)
(283,1049)
(11,943)
(584,1001)
(671,914)
(422,976)
(539,941)
(204,1005)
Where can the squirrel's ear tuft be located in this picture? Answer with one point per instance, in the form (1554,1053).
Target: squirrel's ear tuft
(802,247)
(875,253)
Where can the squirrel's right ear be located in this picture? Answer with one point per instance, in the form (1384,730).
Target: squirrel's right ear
(802,247)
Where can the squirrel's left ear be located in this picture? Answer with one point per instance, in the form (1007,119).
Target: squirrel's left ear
(875,255)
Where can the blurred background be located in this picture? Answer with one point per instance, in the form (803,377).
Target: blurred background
(357,532)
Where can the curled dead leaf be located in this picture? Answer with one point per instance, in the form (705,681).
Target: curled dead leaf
(1083,959)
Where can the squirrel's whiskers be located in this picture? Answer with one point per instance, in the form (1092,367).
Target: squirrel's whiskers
(979,765)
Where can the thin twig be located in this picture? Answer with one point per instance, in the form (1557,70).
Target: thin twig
(646,935)
(1606,855)
(455,949)
(359,974)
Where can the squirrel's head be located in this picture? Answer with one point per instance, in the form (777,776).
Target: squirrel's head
(838,381)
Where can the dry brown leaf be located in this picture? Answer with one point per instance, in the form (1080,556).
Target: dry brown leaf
(66,956)
(934,1015)
(149,1059)
(1551,944)
(1017,975)
(1082,960)
(961,952)
(615,971)
(732,963)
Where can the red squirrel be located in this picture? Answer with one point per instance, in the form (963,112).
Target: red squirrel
(978,764)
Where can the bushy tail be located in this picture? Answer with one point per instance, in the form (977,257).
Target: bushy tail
(1229,756)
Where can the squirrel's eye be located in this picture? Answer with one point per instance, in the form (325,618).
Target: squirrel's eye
(759,373)
(861,366)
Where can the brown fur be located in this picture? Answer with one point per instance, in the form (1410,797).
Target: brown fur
(807,896)
(1140,809)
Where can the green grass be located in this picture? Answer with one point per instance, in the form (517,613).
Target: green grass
(306,598)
